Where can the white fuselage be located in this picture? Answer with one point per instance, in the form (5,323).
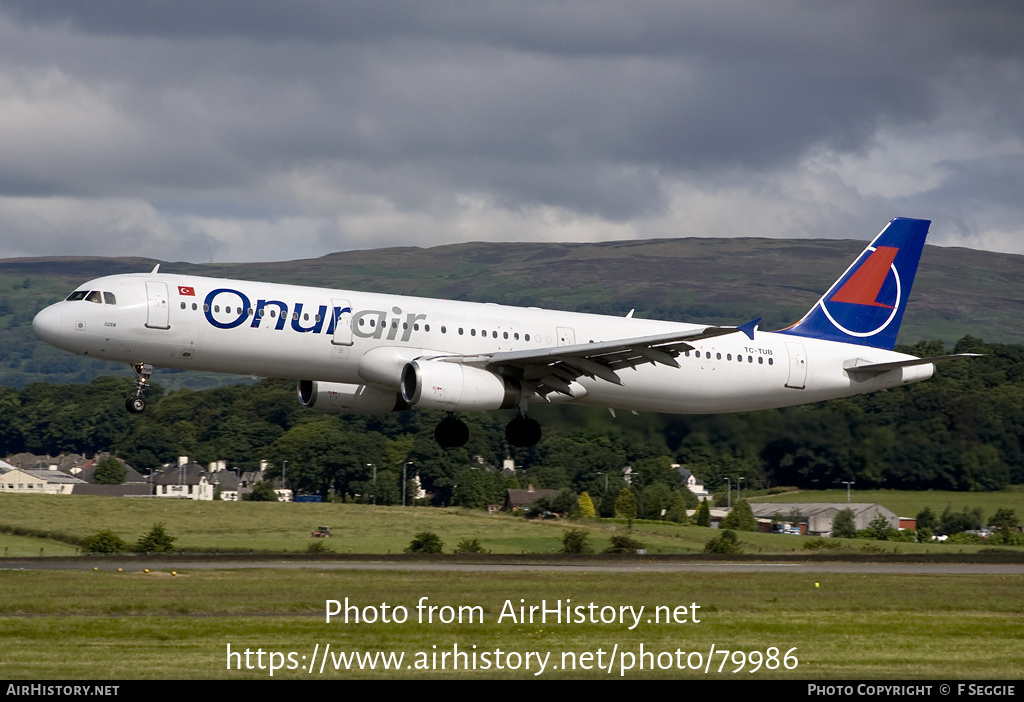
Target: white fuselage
(287,331)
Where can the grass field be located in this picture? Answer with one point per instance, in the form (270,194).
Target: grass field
(109,625)
(22,546)
(242,527)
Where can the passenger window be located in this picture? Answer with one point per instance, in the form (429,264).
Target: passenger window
(183,305)
(109,298)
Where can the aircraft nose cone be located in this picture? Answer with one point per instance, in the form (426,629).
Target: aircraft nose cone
(47,324)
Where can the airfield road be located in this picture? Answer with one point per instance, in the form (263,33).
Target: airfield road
(135,564)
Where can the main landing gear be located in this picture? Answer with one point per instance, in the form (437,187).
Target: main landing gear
(137,403)
(452,432)
(522,431)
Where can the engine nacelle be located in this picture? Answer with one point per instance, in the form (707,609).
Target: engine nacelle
(343,398)
(383,366)
(454,386)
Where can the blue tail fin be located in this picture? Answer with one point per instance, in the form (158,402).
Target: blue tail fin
(865,306)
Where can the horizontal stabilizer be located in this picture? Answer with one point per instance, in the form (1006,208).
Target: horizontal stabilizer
(875,368)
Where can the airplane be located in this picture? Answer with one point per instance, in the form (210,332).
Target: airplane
(357,353)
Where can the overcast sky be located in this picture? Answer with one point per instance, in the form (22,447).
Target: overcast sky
(241,130)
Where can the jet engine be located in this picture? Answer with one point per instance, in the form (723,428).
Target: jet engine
(455,386)
(343,398)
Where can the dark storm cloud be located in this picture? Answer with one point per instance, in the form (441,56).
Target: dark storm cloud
(625,113)
(676,85)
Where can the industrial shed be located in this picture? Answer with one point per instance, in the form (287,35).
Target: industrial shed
(816,517)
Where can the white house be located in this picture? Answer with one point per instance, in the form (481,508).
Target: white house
(187,481)
(39,482)
(695,486)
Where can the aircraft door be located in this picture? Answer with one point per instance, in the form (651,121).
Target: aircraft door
(157,315)
(797,366)
(342,313)
(566,336)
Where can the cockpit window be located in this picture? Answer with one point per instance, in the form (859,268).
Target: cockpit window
(94,296)
(109,298)
(77,295)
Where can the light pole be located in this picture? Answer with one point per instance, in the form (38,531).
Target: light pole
(638,495)
(847,484)
(739,487)
(405,480)
(728,500)
(374,481)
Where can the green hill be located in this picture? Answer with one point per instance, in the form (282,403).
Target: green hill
(730,281)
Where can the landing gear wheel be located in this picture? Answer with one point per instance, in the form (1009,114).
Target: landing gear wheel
(522,431)
(137,403)
(451,432)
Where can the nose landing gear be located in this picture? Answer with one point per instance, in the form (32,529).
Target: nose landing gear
(137,403)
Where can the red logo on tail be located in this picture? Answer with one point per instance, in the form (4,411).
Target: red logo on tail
(866,282)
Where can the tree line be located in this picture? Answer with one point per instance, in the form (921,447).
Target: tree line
(962,430)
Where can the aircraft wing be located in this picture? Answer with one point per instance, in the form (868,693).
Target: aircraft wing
(552,369)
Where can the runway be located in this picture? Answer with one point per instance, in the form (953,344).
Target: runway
(137,564)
